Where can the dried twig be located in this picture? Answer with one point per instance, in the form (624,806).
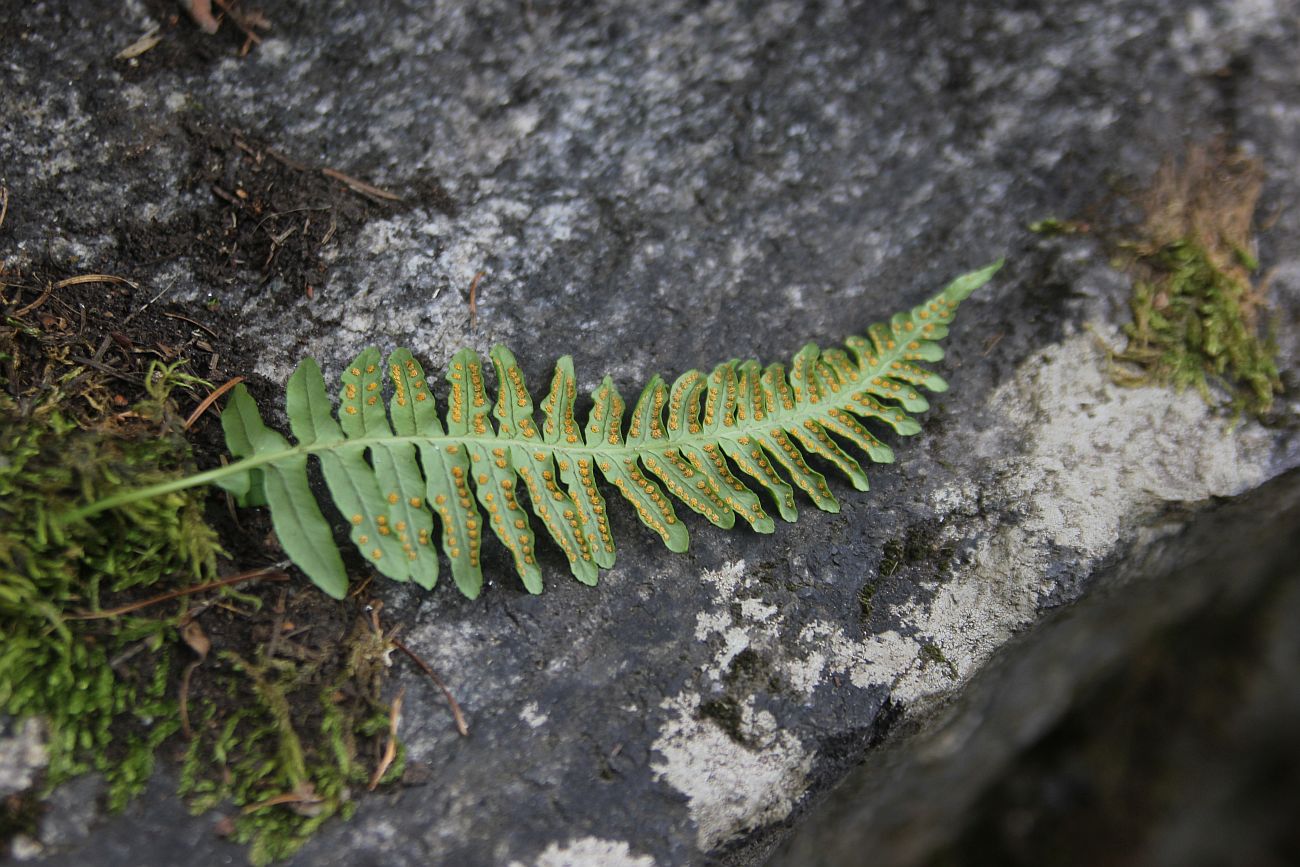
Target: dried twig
(390,748)
(95,278)
(194,322)
(49,287)
(66,281)
(245,23)
(106,370)
(267,573)
(451,699)
(4,204)
(307,795)
(362,588)
(220,193)
(278,214)
(198,641)
(287,161)
(473,298)
(145,43)
(359,186)
(134,313)
(209,400)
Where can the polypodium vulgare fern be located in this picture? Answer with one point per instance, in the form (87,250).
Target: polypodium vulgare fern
(391,468)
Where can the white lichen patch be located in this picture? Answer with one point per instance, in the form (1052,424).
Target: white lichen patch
(879,660)
(23,754)
(532,715)
(756,611)
(589,852)
(950,623)
(948,635)
(728,578)
(730,787)
(1099,455)
(757,625)
(1097,458)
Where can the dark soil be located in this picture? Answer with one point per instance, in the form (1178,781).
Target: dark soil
(183,46)
(92,342)
(114,330)
(265,224)
(269,215)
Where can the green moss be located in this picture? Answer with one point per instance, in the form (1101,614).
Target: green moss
(100,684)
(930,652)
(920,544)
(1053,226)
(891,557)
(866,597)
(290,758)
(1192,327)
(1198,311)
(288,742)
(725,711)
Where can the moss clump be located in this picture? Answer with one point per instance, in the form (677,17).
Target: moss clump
(290,757)
(891,557)
(1196,306)
(920,544)
(1054,226)
(1193,324)
(100,683)
(866,599)
(726,712)
(285,731)
(932,653)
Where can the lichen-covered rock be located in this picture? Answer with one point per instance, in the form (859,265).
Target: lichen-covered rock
(22,754)
(640,186)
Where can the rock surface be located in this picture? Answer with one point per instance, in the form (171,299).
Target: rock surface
(1152,723)
(656,187)
(22,755)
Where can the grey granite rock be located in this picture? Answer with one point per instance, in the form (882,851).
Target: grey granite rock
(657,186)
(22,754)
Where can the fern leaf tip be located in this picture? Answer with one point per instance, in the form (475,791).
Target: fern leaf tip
(961,288)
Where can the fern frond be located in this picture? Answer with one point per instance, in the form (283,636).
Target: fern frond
(706,441)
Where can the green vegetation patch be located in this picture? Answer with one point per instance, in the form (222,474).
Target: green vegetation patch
(100,683)
(1193,324)
(118,632)
(1197,303)
(293,752)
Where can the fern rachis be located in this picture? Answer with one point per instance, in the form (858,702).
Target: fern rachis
(390,467)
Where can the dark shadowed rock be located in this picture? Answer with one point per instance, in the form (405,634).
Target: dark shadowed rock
(1152,723)
(654,187)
